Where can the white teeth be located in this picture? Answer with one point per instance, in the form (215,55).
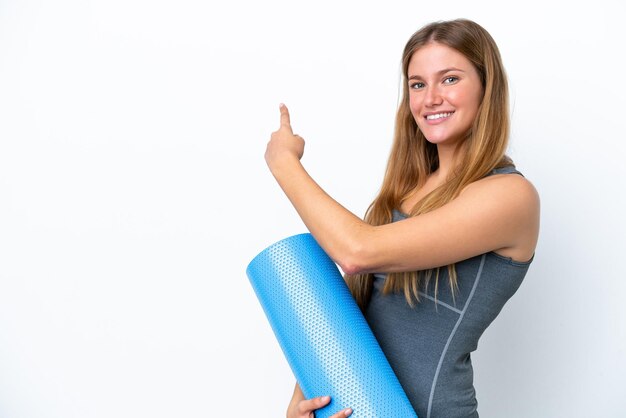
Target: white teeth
(439,116)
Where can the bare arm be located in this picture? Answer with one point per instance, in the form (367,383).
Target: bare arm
(496,213)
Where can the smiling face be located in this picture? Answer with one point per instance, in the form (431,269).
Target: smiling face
(445,93)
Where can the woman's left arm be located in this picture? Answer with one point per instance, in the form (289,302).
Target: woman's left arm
(496,213)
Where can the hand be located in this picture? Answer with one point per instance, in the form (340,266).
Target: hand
(283,142)
(305,408)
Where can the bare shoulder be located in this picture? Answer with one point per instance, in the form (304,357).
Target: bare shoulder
(513,188)
(514,200)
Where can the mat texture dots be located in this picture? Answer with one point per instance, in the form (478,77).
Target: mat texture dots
(323,334)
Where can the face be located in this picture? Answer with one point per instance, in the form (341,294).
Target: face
(444,93)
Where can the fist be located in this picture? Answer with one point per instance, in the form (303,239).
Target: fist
(283,143)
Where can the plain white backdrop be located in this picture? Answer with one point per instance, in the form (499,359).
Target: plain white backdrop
(133,194)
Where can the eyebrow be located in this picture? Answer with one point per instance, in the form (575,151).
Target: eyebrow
(441,72)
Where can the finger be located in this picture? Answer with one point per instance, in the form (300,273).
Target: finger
(312,404)
(285,120)
(344,413)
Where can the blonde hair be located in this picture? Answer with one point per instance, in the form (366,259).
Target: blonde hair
(413,158)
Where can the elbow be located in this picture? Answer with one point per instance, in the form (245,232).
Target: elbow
(354,260)
(349,268)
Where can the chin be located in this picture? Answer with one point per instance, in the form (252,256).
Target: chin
(441,138)
(435,139)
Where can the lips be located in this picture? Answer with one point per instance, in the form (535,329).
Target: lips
(439,115)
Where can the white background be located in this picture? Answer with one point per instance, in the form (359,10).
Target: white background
(133,193)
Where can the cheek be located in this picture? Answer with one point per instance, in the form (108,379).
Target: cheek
(468,99)
(415,111)
(472,105)
(457,98)
(414,105)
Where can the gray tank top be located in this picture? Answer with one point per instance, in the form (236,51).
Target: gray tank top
(429,345)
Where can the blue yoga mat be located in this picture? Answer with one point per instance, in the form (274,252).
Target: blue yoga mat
(323,334)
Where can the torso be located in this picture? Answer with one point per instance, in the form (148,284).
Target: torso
(429,345)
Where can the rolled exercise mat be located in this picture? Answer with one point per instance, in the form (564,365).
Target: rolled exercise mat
(323,334)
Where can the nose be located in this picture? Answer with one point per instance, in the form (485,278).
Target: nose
(433,96)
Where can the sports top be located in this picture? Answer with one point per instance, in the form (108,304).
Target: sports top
(429,345)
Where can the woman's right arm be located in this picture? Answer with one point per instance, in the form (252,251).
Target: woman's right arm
(497,213)
(303,408)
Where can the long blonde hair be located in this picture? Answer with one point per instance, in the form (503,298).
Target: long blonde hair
(413,158)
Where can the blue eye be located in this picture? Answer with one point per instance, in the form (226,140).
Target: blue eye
(417,85)
(450,80)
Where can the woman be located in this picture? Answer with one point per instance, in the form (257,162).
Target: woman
(453,230)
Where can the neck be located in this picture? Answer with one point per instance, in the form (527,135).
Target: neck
(448,159)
